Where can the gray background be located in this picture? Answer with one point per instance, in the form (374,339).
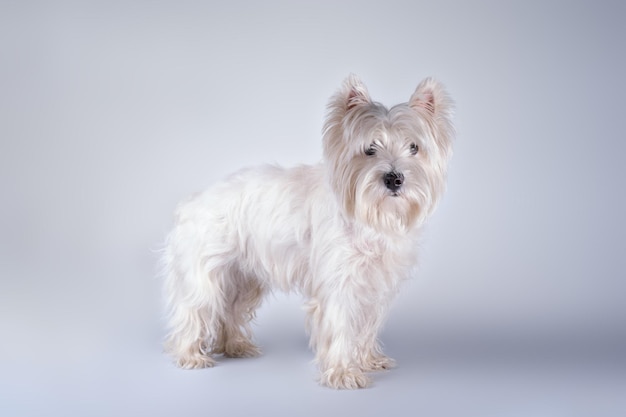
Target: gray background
(113,111)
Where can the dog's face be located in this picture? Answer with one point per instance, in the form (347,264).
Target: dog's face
(388,166)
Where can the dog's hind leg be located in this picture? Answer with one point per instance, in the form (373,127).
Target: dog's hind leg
(196,290)
(244,295)
(196,304)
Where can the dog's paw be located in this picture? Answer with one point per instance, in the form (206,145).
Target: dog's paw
(378,363)
(195,361)
(344,378)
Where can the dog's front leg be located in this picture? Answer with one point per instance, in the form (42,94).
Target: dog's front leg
(340,335)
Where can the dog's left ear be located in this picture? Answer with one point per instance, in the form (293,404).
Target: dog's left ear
(431,99)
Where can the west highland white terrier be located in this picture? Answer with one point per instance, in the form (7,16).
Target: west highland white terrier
(341,233)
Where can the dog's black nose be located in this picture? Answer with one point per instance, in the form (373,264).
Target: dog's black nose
(393,180)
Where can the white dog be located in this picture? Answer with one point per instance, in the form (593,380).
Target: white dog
(342,233)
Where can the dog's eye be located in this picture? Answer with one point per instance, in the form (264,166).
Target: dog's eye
(413,148)
(371,151)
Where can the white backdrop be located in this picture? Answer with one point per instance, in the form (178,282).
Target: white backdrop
(113,111)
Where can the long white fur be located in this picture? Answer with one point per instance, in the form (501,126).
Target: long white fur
(332,232)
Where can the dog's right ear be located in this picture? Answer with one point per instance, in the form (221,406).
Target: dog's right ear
(356,93)
(339,139)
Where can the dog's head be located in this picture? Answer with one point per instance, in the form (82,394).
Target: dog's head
(388,166)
